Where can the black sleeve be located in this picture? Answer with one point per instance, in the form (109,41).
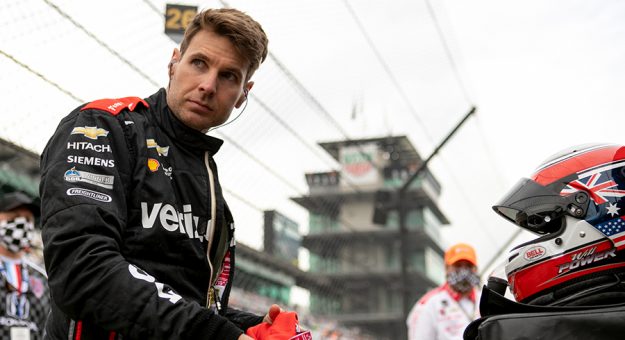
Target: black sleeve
(243,320)
(83,191)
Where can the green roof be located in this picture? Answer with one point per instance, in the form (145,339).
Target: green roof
(12,181)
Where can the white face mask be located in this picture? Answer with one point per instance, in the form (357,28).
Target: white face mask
(462,280)
(16,234)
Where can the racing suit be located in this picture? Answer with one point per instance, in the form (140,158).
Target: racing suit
(442,314)
(138,239)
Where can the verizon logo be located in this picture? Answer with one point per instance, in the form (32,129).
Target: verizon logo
(171,219)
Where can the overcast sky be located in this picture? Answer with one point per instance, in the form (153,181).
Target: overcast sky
(544,75)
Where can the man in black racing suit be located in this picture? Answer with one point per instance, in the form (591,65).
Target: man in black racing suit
(138,239)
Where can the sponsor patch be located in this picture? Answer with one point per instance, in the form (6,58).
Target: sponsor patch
(168,171)
(170,219)
(10,322)
(17,305)
(109,163)
(88,146)
(91,132)
(94,195)
(153,164)
(72,175)
(534,253)
(161,150)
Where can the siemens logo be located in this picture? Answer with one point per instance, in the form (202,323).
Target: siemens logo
(170,219)
(109,163)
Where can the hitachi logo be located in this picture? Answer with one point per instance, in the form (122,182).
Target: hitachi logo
(88,146)
(585,258)
(170,219)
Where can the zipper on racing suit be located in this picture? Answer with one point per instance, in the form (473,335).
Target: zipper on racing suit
(211,295)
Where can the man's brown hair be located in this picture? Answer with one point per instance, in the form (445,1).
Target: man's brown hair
(245,33)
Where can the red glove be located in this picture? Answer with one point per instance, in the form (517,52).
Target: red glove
(285,327)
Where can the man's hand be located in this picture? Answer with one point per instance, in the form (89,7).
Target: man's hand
(244,337)
(274,310)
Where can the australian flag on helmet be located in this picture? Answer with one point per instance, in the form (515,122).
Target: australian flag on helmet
(586,183)
(599,172)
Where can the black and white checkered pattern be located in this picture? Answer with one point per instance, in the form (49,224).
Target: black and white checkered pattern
(16,234)
(38,302)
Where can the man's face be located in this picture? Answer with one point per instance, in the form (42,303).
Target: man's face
(207,82)
(17,212)
(22,219)
(462,276)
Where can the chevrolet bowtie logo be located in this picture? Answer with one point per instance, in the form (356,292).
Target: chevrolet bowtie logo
(161,150)
(91,132)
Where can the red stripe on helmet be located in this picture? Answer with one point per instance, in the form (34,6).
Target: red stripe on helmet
(544,274)
(578,164)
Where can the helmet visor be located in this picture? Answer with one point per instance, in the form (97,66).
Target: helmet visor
(535,207)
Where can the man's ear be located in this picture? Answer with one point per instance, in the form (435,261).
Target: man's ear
(175,57)
(246,92)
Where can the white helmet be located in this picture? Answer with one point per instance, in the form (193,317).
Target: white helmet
(574,201)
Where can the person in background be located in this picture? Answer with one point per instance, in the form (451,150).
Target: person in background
(444,312)
(24,297)
(138,238)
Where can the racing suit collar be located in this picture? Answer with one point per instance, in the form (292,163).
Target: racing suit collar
(177,130)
